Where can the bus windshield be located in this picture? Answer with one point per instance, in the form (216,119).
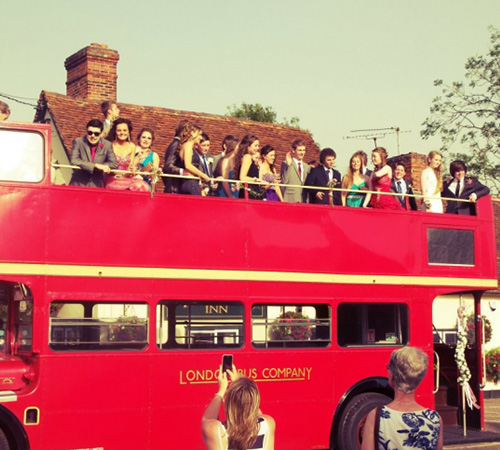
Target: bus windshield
(21,156)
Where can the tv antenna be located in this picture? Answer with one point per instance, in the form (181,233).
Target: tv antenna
(377,133)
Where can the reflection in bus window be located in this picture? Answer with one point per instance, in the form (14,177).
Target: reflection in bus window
(4,316)
(291,325)
(98,326)
(21,156)
(372,324)
(199,325)
(450,247)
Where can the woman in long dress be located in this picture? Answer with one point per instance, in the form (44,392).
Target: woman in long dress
(432,183)
(190,135)
(124,151)
(246,167)
(146,159)
(268,173)
(381,181)
(356,181)
(226,167)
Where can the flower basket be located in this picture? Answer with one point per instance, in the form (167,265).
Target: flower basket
(493,364)
(291,326)
(128,329)
(469,326)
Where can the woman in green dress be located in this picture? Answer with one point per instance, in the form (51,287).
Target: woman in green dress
(356,182)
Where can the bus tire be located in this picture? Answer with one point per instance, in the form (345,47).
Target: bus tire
(4,442)
(353,418)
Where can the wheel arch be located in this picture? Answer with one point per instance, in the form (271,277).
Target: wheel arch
(13,429)
(373,384)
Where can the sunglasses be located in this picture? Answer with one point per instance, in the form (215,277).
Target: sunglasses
(94,133)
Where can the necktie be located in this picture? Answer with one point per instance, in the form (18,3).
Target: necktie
(205,165)
(300,170)
(400,190)
(329,173)
(457,190)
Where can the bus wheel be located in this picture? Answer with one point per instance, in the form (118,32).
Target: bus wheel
(4,442)
(354,416)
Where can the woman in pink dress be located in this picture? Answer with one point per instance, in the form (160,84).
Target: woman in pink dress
(381,181)
(124,151)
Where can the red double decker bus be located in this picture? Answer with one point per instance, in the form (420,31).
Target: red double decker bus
(116,307)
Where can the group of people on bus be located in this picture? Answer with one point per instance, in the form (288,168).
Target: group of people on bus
(401,424)
(108,158)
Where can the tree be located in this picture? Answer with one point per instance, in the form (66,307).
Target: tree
(468,113)
(261,113)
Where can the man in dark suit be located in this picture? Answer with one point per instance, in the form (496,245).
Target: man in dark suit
(94,155)
(461,186)
(203,161)
(324,175)
(402,186)
(172,161)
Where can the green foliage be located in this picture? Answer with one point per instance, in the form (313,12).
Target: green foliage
(255,112)
(467,115)
(261,113)
(493,364)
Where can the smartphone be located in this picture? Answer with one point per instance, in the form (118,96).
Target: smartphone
(227,362)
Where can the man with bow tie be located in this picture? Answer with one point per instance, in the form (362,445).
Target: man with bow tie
(461,186)
(324,176)
(402,186)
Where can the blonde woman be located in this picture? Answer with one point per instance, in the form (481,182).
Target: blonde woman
(356,181)
(245,426)
(404,423)
(190,135)
(432,183)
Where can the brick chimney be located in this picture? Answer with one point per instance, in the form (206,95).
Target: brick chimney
(92,73)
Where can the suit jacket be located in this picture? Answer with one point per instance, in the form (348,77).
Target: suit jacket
(88,175)
(319,177)
(471,186)
(290,175)
(406,202)
(172,165)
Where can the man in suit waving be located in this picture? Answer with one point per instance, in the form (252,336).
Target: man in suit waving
(461,186)
(294,171)
(94,155)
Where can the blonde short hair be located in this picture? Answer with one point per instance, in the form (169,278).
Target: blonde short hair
(408,366)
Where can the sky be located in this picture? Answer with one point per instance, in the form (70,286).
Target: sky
(337,65)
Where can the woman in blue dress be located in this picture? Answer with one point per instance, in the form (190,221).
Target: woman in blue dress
(404,424)
(146,159)
(356,181)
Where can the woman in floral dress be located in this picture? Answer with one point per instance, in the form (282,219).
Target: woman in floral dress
(404,424)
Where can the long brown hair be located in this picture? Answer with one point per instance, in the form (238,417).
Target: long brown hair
(383,156)
(186,132)
(438,171)
(246,142)
(241,405)
(348,179)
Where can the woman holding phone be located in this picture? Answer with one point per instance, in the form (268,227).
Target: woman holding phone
(245,426)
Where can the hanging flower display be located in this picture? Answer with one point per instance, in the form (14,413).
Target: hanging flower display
(291,326)
(493,364)
(128,329)
(470,326)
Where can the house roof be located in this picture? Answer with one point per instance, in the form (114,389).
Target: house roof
(70,115)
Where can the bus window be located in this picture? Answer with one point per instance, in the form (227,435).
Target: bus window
(372,324)
(4,317)
(194,325)
(450,247)
(297,325)
(21,156)
(98,326)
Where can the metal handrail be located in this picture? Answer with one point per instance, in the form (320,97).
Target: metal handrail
(263,183)
(438,368)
